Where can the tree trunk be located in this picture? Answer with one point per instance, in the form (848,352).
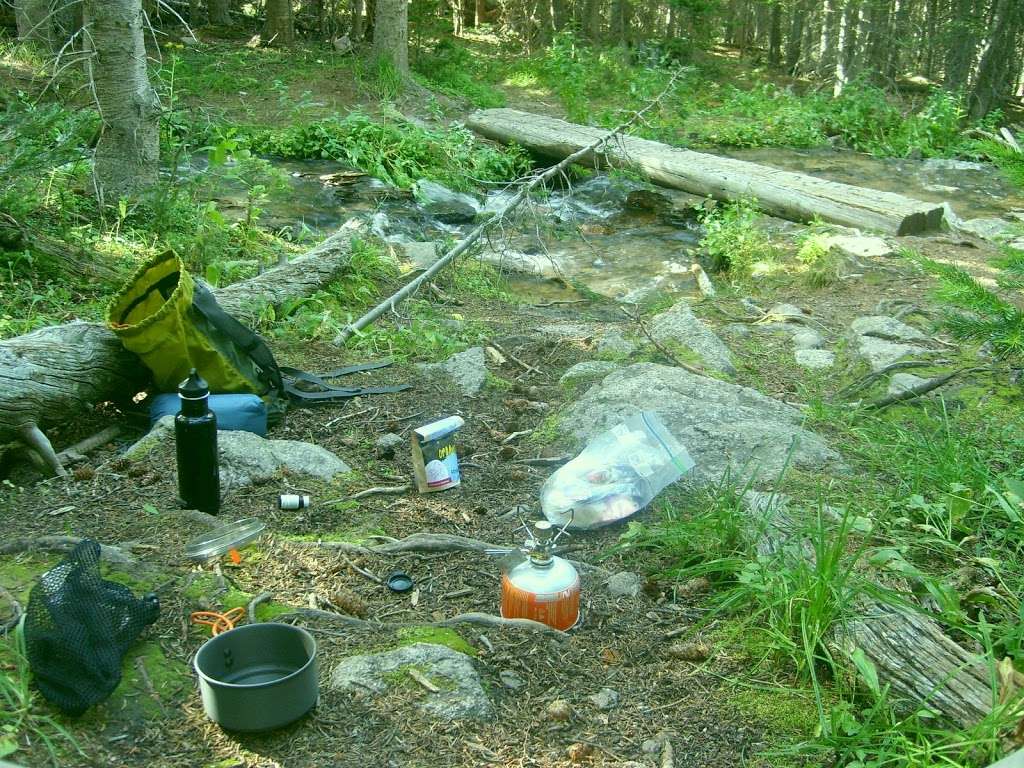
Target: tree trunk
(279,28)
(51,375)
(781,193)
(846,45)
(592,20)
(357,28)
(994,69)
(545,24)
(897,40)
(391,33)
(796,33)
(218,12)
(775,36)
(479,12)
(622,17)
(128,152)
(33,20)
(458,16)
(826,40)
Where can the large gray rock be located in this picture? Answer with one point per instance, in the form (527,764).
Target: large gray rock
(880,352)
(858,246)
(903,382)
(467,369)
(889,328)
(461,696)
(724,426)
(538,264)
(808,339)
(612,342)
(987,228)
(444,204)
(680,326)
(590,370)
(246,459)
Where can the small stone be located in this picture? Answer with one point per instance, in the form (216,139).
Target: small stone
(511,680)
(738,329)
(808,340)
(889,328)
(903,382)
(590,370)
(467,369)
(691,651)
(879,352)
(787,312)
(559,710)
(386,445)
(625,584)
(860,246)
(605,699)
(815,359)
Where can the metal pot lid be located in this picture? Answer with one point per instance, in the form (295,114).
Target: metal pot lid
(222,540)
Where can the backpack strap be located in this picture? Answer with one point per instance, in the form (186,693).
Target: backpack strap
(328,392)
(249,342)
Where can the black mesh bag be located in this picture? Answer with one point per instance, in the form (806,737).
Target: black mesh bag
(78,627)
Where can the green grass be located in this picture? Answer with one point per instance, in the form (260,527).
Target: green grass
(435,636)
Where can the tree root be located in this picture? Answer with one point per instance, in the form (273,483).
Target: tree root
(63,544)
(920,389)
(256,602)
(417,542)
(34,438)
(476,619)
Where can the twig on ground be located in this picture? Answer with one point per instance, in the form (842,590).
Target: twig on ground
(560,303)
(516,436)
(380,489)
(476,619)
(509,355)
(255,603)
(417,542)
(420,678)
(77,452)
(544,461)
(871,378)
(361,571)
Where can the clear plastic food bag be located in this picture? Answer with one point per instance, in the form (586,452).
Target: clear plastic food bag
(618,473)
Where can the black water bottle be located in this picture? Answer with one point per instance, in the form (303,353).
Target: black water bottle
(195,432)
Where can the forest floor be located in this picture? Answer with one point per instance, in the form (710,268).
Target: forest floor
(922,473)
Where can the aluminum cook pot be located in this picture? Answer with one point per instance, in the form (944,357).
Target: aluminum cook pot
(258,677)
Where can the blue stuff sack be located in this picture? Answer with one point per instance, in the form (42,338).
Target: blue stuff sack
(242,413)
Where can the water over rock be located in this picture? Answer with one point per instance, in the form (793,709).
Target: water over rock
(444,204)
(725,427)
(460,696)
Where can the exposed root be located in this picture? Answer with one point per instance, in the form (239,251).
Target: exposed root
(257,601)
(923,388)
(476,619)
(417,542)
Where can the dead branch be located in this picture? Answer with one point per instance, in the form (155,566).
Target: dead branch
(361,571)
(417,542)
(529,368)
(636,318)
(76,452)
(918,390)
(544,461)
(379,490)
(476,619)
(420,678)
(526,187)
(63,544)
(871,378)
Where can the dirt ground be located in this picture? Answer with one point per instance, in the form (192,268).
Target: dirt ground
(710,710)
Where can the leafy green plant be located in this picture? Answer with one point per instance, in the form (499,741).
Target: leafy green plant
(732,239)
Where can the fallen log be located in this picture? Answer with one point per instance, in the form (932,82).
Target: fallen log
(54,374)
(922,667)
(785,194)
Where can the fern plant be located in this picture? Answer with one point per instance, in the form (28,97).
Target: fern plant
(979,314)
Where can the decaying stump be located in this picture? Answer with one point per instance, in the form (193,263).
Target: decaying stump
(51,375)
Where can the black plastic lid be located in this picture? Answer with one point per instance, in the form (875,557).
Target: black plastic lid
(399,581)
(194,387)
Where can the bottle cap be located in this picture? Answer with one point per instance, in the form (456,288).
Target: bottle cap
(194,387)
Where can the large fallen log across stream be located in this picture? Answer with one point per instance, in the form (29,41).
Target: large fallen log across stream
(51,375)
(785,194)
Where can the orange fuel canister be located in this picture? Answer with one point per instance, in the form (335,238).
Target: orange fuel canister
(542,587)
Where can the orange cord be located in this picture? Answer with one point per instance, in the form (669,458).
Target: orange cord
(218,622)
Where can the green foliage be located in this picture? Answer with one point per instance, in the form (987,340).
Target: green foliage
(988,318)
(452,69)
(732,239)
(394,150)
(21,716)
(435,636)
(822,264)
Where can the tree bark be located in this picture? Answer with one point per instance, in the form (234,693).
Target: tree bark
(128,152)
(479,12)
(458,16)
(357,29)
(994,68)
(218,11)
(846,46)
(622,18)
(279,28)
(796,33)
(788,195)
(592,20)
(775,35)
(826,40)
(391,33)
(51,375)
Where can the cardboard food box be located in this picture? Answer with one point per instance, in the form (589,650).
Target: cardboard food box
(435,462)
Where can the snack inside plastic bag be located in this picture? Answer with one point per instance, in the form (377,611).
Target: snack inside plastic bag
(618,473)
